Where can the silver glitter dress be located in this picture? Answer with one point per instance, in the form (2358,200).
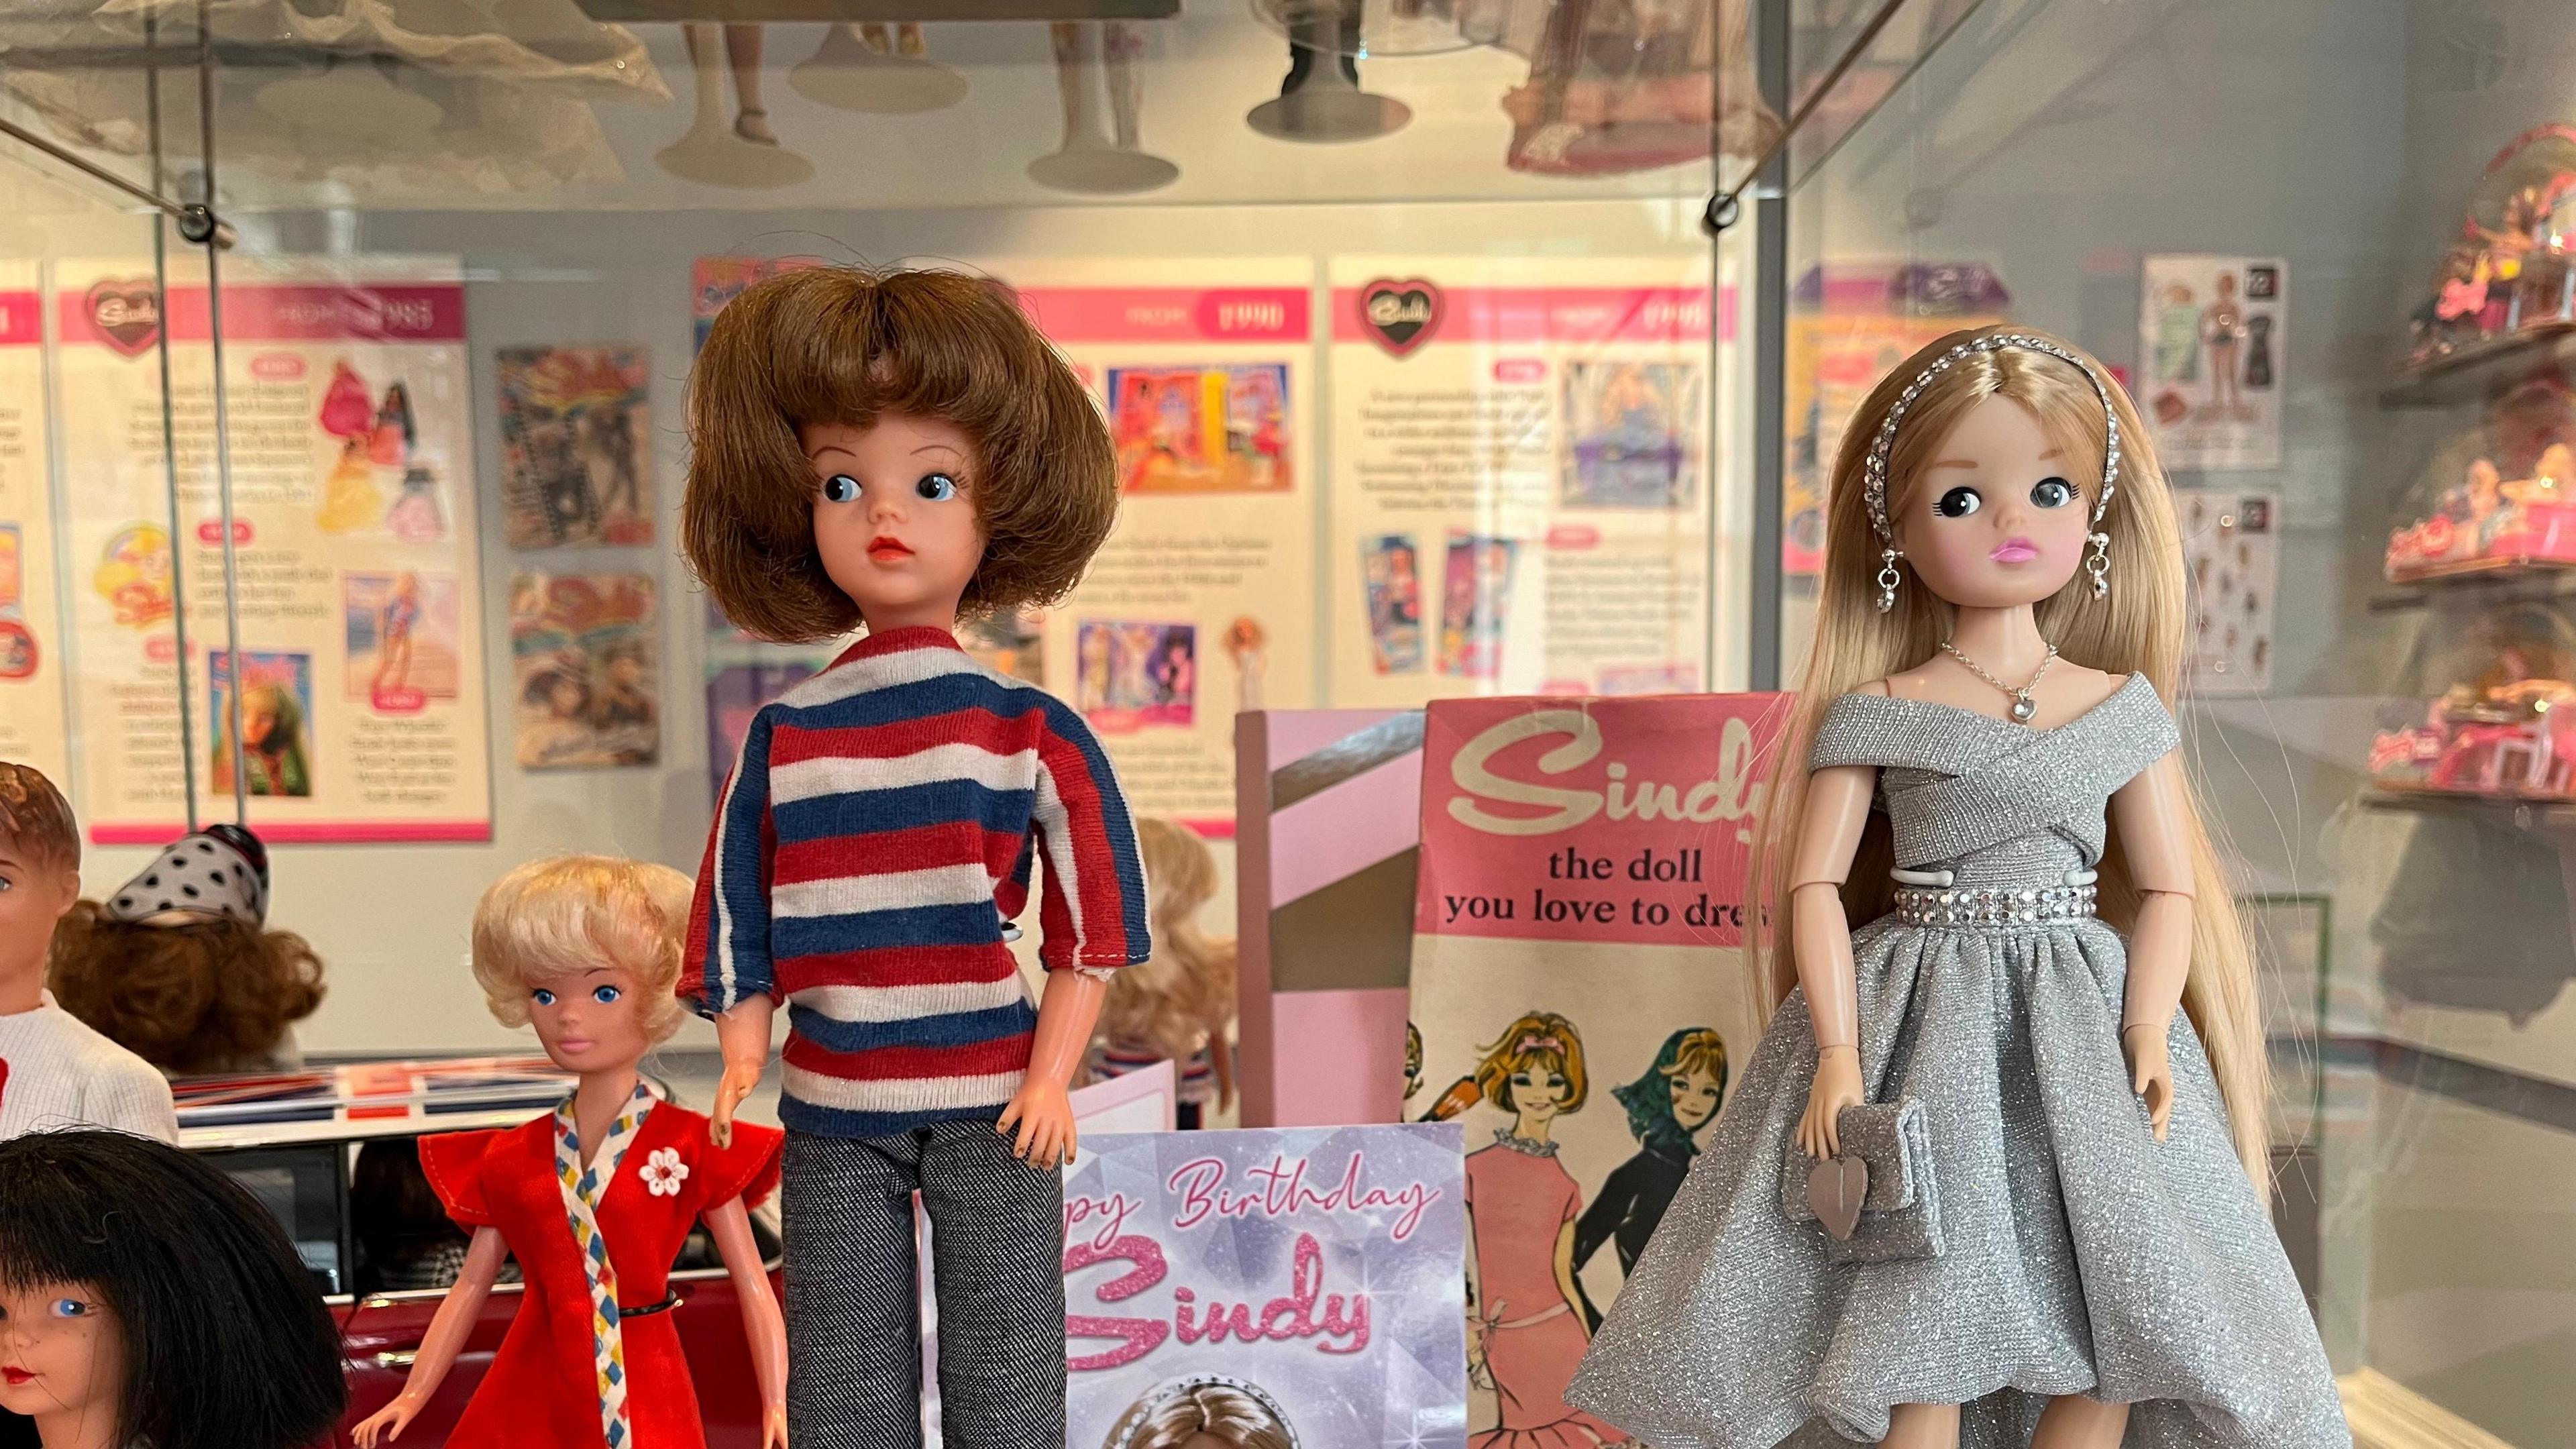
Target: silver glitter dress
(2080,1255)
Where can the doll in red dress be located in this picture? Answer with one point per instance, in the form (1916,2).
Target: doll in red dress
(595,1198)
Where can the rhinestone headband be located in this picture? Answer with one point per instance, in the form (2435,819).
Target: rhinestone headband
(1874,478)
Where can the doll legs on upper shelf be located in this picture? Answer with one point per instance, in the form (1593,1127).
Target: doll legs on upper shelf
(853,1330)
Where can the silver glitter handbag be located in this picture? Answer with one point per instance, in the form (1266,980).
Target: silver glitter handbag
(1900,1211)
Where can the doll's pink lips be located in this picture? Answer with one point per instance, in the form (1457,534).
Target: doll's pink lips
(2014,550)
(888,548)
(17,1377)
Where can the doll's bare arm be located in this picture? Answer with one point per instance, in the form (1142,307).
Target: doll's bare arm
(1837,809)
(2149,813)
(742,1039)
(457,1314)
(1221,1059)
(762,1326)
(1042,1109)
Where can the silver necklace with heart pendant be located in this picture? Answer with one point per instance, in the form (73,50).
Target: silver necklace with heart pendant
(2023,707)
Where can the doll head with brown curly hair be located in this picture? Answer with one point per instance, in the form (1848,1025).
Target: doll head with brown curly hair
(838,414)
(179,966)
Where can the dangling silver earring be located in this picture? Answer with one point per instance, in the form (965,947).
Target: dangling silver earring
(2099,565)
(1889,578)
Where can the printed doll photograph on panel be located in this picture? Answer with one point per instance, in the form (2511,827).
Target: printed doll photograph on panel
(594,1200)
(147,1299)
(1996,1173)
(900,449)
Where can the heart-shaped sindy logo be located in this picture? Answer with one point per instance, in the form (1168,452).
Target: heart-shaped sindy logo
(1835,1190)
(126,311)
(1400,315)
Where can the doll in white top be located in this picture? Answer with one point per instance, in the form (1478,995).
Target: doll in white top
(55,1072)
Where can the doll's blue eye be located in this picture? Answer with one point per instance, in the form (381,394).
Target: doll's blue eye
(70,1308)
(937,487)
(2052,493)
(1959,503)
(840,488)
(605,995)
(542,997)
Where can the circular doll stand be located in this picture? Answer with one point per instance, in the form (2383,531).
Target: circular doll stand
(1102,171)
(1329,109)
(847,75)
(712,155)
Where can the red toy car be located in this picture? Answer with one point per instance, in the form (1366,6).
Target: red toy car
(332,1153)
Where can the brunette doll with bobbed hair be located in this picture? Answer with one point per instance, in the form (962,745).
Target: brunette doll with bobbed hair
(902,450)
(848,345)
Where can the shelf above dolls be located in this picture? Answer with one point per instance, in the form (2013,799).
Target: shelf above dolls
(2477,371)
(2482,583)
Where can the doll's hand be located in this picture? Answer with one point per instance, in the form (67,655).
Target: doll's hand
(2150,1072)
(737,1083)
(388,1421)
(1045,1117)
(1837,1086)
(773,1426)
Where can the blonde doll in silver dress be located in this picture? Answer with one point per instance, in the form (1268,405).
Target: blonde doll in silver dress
(2005,919)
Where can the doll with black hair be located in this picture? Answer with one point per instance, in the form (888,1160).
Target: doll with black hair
(179,966)
(146,1299)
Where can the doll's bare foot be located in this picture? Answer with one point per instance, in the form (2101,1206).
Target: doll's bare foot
(1922,1426)
(753,125)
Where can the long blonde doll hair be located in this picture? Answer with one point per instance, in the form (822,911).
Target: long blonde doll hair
(1185,990)
(2139,628)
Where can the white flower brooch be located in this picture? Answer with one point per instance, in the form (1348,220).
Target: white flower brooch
(663,1172)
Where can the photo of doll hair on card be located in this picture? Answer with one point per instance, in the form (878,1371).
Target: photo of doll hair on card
(1205,1411)
(938,344)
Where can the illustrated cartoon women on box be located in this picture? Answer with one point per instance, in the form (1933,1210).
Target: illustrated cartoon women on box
(1528,1327)
(1980,1182)
(896,449)
(1667,1108)
(146,1298)
(595,1199)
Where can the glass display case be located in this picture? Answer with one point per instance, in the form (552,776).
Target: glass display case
(1450,346)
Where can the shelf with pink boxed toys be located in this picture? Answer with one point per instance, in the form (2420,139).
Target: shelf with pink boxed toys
(2503,303)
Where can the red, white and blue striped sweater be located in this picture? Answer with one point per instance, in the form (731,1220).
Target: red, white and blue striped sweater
(876,835)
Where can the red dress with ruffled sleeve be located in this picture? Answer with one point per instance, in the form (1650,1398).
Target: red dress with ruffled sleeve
(540,1392)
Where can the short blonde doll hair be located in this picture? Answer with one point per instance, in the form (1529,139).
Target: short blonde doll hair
(550,918)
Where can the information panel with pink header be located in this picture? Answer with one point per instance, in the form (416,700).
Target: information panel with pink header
(1201,605)
(357,686)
